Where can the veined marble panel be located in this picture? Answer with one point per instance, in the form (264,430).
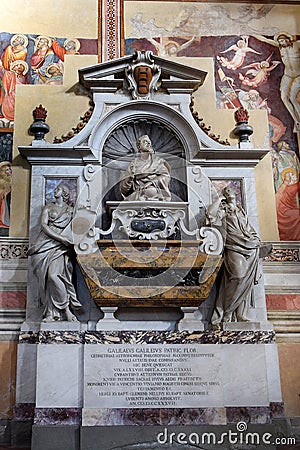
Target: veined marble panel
(24,411)
(26,372)
(57,416)
(58,376)
(169,416)
(61,337)
(183,337)
(273,375)
(29,337)
(245,376)
(148,337)
(13,299)
(283,302)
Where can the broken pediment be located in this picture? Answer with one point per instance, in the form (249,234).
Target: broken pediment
(142,74)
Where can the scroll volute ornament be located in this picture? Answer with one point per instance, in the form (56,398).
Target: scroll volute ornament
(143,75)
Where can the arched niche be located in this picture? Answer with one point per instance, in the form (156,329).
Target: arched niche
(154,113)
(113,142)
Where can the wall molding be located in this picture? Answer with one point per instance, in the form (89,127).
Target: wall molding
(286,325)
(11,320)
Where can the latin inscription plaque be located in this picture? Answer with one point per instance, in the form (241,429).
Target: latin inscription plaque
(152,376)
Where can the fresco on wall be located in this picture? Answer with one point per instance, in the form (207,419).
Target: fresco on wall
(33,59)
(219,184)
(186,19)
(6,141)
(52,182)
(27,59)
(257,68)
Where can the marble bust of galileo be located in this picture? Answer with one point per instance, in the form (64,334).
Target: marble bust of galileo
(147,177)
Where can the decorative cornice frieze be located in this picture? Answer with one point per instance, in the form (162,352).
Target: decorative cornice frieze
(13,248)
(283,255)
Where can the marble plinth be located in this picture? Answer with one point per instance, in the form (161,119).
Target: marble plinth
(93,380)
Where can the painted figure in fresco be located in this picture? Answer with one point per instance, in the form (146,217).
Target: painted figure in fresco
(249,12)
(283,157)
(289,48)
(40,59)
(228,98)
(190,19)
(240,270)
(50,258)
(147,177)
(276,128)
(71,47)
(5,188)
(252,100)
(54,74)
(15,51)
(9,81)
(259,73)
(241,48)
(287,205)
(146,29)
(170,48)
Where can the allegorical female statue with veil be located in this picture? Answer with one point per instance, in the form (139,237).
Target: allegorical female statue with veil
(241,256)
(50,258)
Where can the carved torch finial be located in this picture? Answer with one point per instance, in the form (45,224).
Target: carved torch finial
(39,128)
(242,130)
(39,113)
(241,115)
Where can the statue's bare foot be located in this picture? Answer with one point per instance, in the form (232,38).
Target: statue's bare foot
(70,317)
(243,319)
(48,319)
(227,318)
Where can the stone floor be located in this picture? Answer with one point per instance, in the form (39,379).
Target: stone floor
(14,448)
(280,447)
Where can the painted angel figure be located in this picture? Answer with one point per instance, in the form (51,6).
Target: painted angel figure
(259,72)
(241,48)
(171,48)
